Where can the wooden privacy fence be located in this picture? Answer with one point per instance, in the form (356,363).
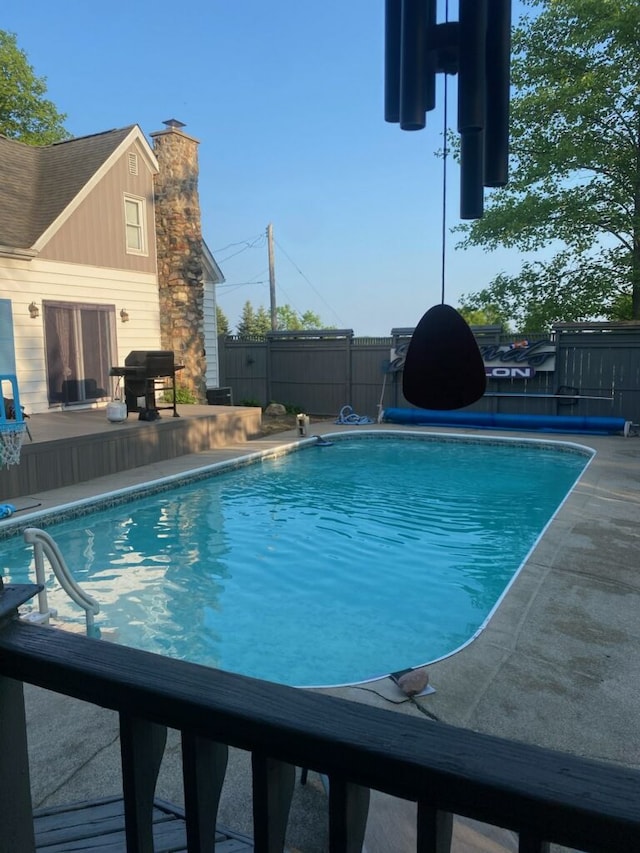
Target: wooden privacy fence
(590,369)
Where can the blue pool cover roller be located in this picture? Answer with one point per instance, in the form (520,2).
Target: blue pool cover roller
(492,420)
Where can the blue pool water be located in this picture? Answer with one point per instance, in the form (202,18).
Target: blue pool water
(325,566)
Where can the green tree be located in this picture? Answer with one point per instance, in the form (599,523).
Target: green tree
(257,323)
(25,114)
(253,324)
(246,326)
(263,321)
(221,321)
(290,320)
(310,320)
(575,168)
(486,316)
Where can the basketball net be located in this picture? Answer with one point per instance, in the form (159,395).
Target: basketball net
(11,438)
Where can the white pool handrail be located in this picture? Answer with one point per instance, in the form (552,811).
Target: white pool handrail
(45,545)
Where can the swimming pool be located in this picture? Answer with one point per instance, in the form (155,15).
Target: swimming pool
(331,565)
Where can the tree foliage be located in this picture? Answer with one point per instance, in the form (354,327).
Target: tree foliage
(263,321)
(25,113)
(490,315)
(222,321)
(575,168)
(247,324)
(289,319)
(256,323)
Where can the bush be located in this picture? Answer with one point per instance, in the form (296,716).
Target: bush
(184,396)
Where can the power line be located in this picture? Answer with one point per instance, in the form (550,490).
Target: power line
(256,243)
(240,284)
(239,243)
(289,300)
(237,284)
(315,290)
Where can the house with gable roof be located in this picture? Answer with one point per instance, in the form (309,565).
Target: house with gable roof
(89,268)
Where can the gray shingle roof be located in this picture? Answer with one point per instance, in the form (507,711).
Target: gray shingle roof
(38,183)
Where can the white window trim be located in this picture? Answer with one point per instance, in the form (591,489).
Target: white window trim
(142,225)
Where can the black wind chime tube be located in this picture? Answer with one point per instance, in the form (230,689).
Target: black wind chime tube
(431,56)
(416,65)
(498,71)
(472,36)
(392,23)
(471,169)
(413,65)
(472,40)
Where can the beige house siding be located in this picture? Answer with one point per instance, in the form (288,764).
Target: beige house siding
(94,234)
(23,282)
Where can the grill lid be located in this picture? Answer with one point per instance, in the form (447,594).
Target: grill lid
(152,362)
(139,357)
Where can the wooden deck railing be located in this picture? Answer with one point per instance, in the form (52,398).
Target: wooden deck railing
(544,796)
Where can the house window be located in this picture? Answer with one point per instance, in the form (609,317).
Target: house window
(134,216)
(80,342)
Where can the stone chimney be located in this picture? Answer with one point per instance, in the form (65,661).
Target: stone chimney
(180,253)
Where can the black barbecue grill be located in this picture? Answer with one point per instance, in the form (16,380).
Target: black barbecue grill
(144,373)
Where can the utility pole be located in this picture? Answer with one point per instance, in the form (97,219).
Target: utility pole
(272,279)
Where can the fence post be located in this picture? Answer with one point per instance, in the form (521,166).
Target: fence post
(348,379)
(268,345)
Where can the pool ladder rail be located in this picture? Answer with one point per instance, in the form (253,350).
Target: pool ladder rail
(44,545)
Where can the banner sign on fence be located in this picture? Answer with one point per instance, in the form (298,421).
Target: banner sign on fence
(518,360)
(503,372)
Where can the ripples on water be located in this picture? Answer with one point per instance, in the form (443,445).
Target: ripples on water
(329,565)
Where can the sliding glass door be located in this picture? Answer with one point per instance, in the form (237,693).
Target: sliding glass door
(80,346)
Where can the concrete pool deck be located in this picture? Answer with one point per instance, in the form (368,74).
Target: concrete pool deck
(557,665)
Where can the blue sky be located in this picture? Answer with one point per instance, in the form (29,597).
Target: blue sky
(286,99)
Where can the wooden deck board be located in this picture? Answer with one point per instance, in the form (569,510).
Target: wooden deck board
(98,827)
